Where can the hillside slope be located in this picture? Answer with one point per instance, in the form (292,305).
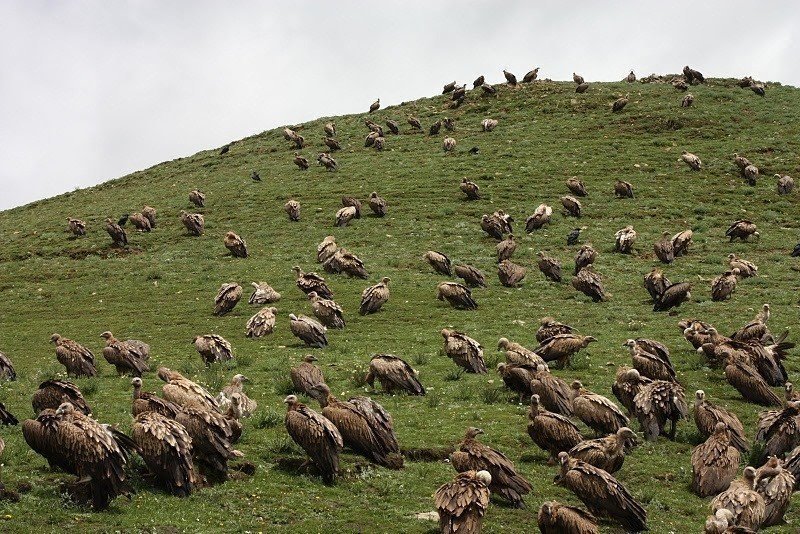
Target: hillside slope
(162,287)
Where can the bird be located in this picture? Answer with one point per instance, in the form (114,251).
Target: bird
(330,129)
(749,383)
(227,298)
(470,189)
(562,347)
(462,502)
(149,402)
(589,282)
(687,100)
(631,77)
(606,453)
(510,78)
(327,161)
(212,438)
(707,415)
(627,384)
(51,393)
(306,375)
(393,126)
(261,323)
(554,393)
(478,81)
(185,393)
(435,127)
(235,245)
(549,266)
(472,276)
(722,522)
(673,295)
(598,412)
(539,218)
(149,213)
(224,150)
(691,160)
(327,311)
(519,355)
(549,327)
(724,285)
(374,297)
(193,222)
(125,356)
(623,189)
(118,235)
(308,330)
(715,463)
(331,143)
(531,75)
(745,504)
(572,206)
(779,430)
(750,174)
(505,248)
(573,236)
(742,229)
(166,449)
(77,359)
(581,87)
(619,104)
(550,431)
(664,249)
(213,348)
(457,295)
(487,125)
(345,215)
(6,418)
(292,209)
(557,518)
(7,371)
(263,293)
(488,89)
(375,106)
(465,352)
(656,283)
(449,144)
(577,78)
(775,484)
(439,262)
(300,161)
(651,363)
(785,184)
(624,240)
(308,282)
(692,75)
(585,257)
(345,262)
(76,226)
(414,122)
(576,186)
(657,403)
(377,204)
(316,435)
(394,374)
(681,242)
(255,176)
(757,88)
(326,249)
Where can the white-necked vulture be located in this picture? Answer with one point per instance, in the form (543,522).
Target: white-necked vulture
(374,297)
(394,374)
(78,360)
(462,502)
(465,352)
(316,435)
(235,245)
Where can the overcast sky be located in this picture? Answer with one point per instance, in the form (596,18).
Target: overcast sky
(92,90)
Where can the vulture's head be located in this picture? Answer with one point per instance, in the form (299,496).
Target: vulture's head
(699,396)
(136,382)
(446,333)
(236,399)
(576,385)
(312,295)
(65,408)
(720,428)
(501,367)
(165,374)
(473,432)
(588,339)
(629,343)
(290,400)
(106,335)
(749,474)
(373,195)
(633,375)
(385,280)
(484,476)
(239,379)
(502,343)
(546,321)
(309,358)
(297,270)
(292,317)
(625,433)
(535,401)
(55,338)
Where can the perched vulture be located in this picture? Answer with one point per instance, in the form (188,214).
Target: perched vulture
(457,295)
(344,261)
(462,502)
(375,106)
(393,126)
(549,327)
(440,262)
(691,160)
(414,122)
(557,518)
(149,213)
(472,276)
(300,161)
(510,274)
(554,394)
(435,127)
(148,402)
(619,104)
(539,218)
(723,286)
(330,129)
(377,204)
(746,268)
(631,77)
(227,298)
(673,295)
(166,449)
(627,384)
(550,431)
(598,412)
(194,222)
(602,494)
(531,75)
(549,266)
(306,375)
(78,360)
(607,453)
(326,161)
(561,347)
(577,78)
(680,84)
(345,215)
(581,87)
(478,81)
(488,89)
(624,240)
(586,256)
(506,482)
(505,248)
(125,356)
(327,311)
(261,323)
(374,297)
(331,143)
(655,283)
(775,484)
(236,245)
(785,184)
(51,393)
(316,435)
(755,329)
(590,283)
(308,330)
(263,293)
(757,89)
(510,78)
(327,248)
(681,242)
(664,249)
(308,282)
(488,125)
(572,206)
(517,377)
(741,162)
(657,403)
(519,355)
(692,75)
(292,209)
(213,348)
(496,224)
(76,226)
(749,383)
(715,463)
(470,189)
(687,101)
(449,144)
(779,430)
(464,351)
(394,374)
(746,505)
(140,222)
(117,233)
(650,363)
(750,174)
(7,368)
(623,189)
(742,229)
(707,415)
(212,437)
(299,142)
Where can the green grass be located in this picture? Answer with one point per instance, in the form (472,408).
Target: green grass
(161,290)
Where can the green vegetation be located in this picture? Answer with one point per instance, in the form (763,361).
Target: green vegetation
(160,289)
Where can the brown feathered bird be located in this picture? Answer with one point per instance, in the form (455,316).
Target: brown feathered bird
(624,240)
(715,463)
(779,430)
(692,75)
(118,235)
(263,293)
(227,298)
(76,226)
(394,374)
(657,404)
(517,377)
(623,189)
(212,442)
(487,125)
(506,482)
(707,415)
(377,204)
(531,75)
(345,262)
(148,402)
(472,276)
(562,347)
(213,348)
(597,411)
(590,283)
(742,230)
(393,126)
(549,327)
(664,249)
(262,322)
(462,502)
(519,355)
(510,78)
(78,360)
(193,222)
(140,222)
(375,106)
(327,311)
(681,242)
(581,88)
(576,186)
(577,78)
(292,209)
(166,449)
(51,393)
(606,453)
(183,392)
(585,257)
(457,295)
(300,161)
(749,383)
(308,330)
(316,435)
(549,266)
(557,518)
(619,104)
(785,184)
(746,505)
(439,262)
(572,206)
(691,160)
(627,384)
(506,248)
(308,282)
(126,357)
(775,484)
(326,249)
(653,364)
(550,431)
(539,218)
(746,268)
(510,273)
(235,245)
(465,352)
(687,101)
(470,189)
(672,296)
(414,122)
(306,375)
(374,297)
(149,213)
(345,215)
(554,394)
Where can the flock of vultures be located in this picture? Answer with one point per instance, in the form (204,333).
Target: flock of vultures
(186,435)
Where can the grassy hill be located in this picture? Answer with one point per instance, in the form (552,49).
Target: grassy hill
(161,289)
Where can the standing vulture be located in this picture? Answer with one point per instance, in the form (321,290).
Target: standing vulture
(472,276)
(707,415)
(236,245)
(785,184)
(506,482)
(750,174)
(723,286)
(627,384)
(394,374)
(212,437)
(510,78)
(247,405)
(582,87)
(7,371)
(746,268)
(316,435)
(308,282)
(673,295)
(779,430)
(691,160)
(506,248)
(715,463)
(464,351)
(557,518)
(550,431)
(166,449)
(227,298)
(414,122)
(127,357)
(292,209)
(470,189)
(576,186)
(749,383)
(623,189)
(619,104)
(393,126)
(624,240)
(607,453)
(510,274)
(374,297)
(775,484)
(539,218)
(76,226)
(755,329)
(6,418)
(326,249)
(377,204)
(746,505)
(457,295)
(449,144)
(631,77)
(141,222)
(261,323)
(681,242)
(308,330)
(692,75)
(51,393)
(263,293)
(118,235)
(197,197)
(742,230)
(572,206)
(554,394)
(549,327)
(590,283)
(664,249)
(213,348)
(144,401)
(150,214)
(488,124)
(375,106)
(331,143)
(650,363)
(306,375)
(531,75)
(586,256)
(440,262)
(345,215)
(344,261)
(462,503)
(78,360)
(183,392)
(656,404)
(300,161)
(656,283)
(519,355)
(517,377)
(194,223)
(327,311)
(561,347)
(577,78)
(598,412)
(602,494)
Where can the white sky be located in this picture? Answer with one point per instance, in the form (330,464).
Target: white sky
(93,90)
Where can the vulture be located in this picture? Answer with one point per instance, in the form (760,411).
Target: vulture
(306,375)
(549,266)
(76,226)
(627,384)
(414,122)
(509,273)
(619,104)
(148,402)
(715,463)
(607,453)
(488,125)
(602,494)
(374,297)
(449,144)
(577,78)
(741,161)
(655,283)
(464,351)
(506,482)
(140,222)
(459,93)
(227,298)
(462,502)
(394,374)
(785,184)
(691,160)
(78,360)
(531,75)
(581,87)
(117,233)
(557,518)
(692,75)
(723,286)
(308,330)
(775,484)
(707,415)
(550,431)
(519,355)
(263,293)
(435,127)
(488,89)
(554,394)
(590,283)
(598,412)
(375,106)
(757,89)
(722,523)
(539,218)
(687,100)
(299,142)
(318,437)
(344,261)
(572,206)
(261,323)
(517,377)
(496,224)
(623,189)
(51,393)
(478,81)
(742,229)
(631,77)
(624,240)
(300,161)
(194,222)
(166,449)
(586,256)
(549,327)
(506,248)
(673,295)
(472,276)
(7,368)
(470,189)
(213,348)
(235,245)
(331,143)
(345,215)
(510,78)
(744,502)
(327,311)
(393,126)
(650,363)
(657,403)
(125,356)
(348,201)
(330,129)
(150,214)
(377,204)
(289,134)
(327,161)
(292,209)
(576,186)
(439,262)
(680,84)
(779,430)
(308,282)
(327,248)
(365,426)
(746,268)
(664,249)
(755,329)
(212,437)
(457,295)
(561,347)
(681,242)
(750,174)
(749,383)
